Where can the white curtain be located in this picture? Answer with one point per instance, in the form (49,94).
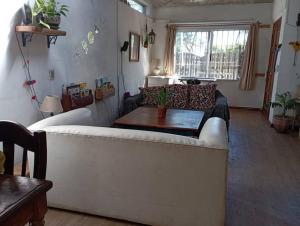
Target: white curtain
(250,60)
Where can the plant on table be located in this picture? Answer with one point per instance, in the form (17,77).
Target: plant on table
(285,102)
(48,13)
(162,103)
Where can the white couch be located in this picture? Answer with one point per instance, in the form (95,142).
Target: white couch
(147,177)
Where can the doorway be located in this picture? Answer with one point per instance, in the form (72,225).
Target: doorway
(271,67)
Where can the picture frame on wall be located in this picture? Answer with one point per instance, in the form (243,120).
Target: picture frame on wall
(134,47)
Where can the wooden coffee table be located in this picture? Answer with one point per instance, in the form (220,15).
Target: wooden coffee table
(177,121)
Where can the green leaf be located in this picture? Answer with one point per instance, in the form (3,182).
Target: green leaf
(63,13)
(44,24)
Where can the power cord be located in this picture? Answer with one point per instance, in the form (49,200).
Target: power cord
(28,76)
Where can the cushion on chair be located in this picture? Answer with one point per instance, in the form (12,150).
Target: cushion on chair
(178,96)
(202,96)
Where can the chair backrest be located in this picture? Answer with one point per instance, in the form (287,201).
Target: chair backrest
(12,134)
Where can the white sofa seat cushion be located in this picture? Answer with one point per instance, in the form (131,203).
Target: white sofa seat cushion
(82,116)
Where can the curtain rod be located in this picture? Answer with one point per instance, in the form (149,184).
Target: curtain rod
(212,22)
(218,23)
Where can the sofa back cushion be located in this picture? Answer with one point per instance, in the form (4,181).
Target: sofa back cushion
(202,96)
(178,96)
(150,95)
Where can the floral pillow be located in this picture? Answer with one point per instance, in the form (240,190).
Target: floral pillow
(150,95)
(202,96)
(178,96)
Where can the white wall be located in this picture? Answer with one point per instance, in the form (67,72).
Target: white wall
(261,12)
(287,76)
(134,72)
(103,57)
(14,99)
(279,7)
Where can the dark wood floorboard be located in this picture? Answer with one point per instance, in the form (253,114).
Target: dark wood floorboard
(263,180)
(264,173)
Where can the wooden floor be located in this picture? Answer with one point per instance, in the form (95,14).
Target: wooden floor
(263,183)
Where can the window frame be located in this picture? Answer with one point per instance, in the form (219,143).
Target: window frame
(144,6)
(210,29)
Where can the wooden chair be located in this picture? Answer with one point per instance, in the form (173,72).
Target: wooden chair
(12,134)
(23,199)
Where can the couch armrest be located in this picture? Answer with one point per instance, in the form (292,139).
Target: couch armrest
(81,116)
(221,100)
(214,134)
(132,102)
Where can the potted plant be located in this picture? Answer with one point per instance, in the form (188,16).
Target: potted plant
(48,13)
(162,103)
(284,101)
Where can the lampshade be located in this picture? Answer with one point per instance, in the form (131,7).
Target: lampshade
(51,104)
(156,62)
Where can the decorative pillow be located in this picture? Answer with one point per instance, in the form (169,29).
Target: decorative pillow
(2,160)
(150,95)
(178,96)
(202,96)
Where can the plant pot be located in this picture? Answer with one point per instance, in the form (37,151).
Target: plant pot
(162,111)
(52,21)
(282,124)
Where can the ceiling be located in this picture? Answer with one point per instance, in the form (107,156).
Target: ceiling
(161,3)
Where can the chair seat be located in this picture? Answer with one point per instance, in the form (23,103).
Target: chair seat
(17,191)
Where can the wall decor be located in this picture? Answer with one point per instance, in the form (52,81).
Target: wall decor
(134,47)
(152,36)
(90,39)
(296,44)
(146,37)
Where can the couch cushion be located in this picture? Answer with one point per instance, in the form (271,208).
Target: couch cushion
(178,96)
(202,96)
(150,95)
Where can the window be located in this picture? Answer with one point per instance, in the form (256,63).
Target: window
(137,6)
(214,53)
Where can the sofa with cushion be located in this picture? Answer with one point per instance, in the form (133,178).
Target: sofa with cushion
(194,97)
(146,177)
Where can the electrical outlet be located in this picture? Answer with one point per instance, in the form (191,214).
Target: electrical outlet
(51,75)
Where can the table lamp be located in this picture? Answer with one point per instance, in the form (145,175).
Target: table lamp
(157,66)
(51,104)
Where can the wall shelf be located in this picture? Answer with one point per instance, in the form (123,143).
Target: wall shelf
(28,31)
(70,103)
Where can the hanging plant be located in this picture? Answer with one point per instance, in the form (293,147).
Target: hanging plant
(48,13)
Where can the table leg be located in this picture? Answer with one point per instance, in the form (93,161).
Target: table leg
(40,209)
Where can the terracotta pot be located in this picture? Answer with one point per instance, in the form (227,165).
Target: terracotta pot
(162,111)
(281,124)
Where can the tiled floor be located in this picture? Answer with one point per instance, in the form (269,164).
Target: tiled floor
(263,180)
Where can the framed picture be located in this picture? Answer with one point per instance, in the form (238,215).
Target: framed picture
(134,47)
